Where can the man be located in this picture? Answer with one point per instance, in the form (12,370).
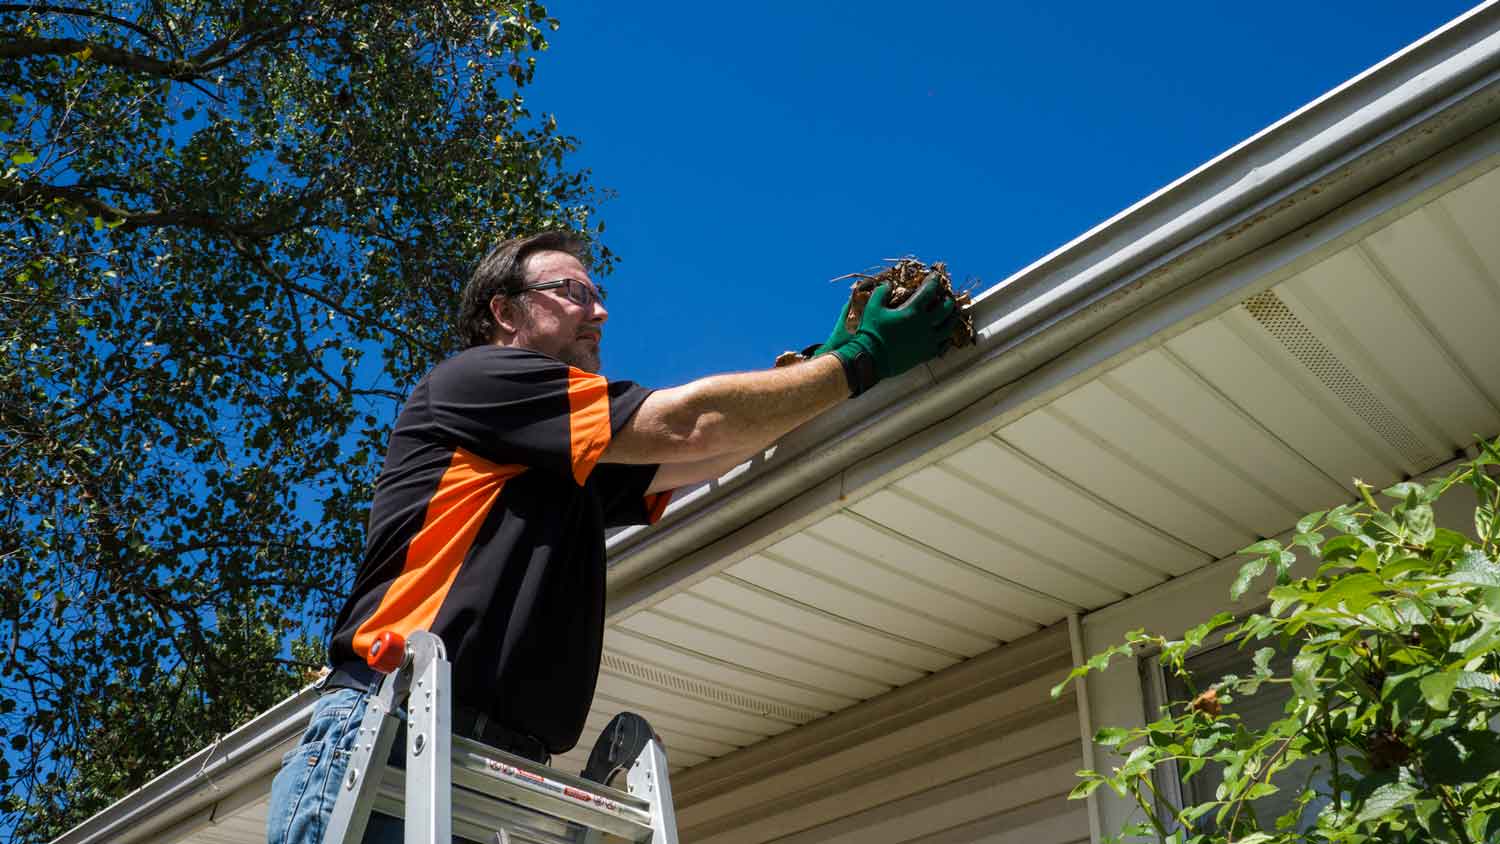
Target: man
(506,464)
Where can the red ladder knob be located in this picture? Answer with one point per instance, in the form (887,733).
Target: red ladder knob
(388,652)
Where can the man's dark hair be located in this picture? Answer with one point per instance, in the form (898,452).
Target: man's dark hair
(501,271)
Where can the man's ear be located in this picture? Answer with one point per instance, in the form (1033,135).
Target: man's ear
(507,315)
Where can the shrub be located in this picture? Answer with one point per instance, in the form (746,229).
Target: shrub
(1394,691)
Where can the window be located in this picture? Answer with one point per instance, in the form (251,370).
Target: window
(1256,711)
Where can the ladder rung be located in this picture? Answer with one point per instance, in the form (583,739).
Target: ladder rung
(492,772)
(477,816)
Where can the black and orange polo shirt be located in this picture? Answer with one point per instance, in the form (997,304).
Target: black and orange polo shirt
(487,528)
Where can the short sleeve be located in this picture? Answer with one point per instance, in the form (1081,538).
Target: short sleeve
(622,494)
(518,407)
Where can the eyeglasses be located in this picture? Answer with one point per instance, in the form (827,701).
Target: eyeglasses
(580,293)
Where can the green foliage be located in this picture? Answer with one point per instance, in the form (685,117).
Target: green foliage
(1394,684)
(233,236)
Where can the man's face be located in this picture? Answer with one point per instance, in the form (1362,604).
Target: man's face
(555,325)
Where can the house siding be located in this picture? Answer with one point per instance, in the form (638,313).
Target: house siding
(978,752)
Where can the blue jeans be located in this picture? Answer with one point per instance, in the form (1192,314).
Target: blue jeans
(303,793)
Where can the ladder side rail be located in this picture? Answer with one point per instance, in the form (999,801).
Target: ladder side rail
(429,747)
(648,778)
(367,764)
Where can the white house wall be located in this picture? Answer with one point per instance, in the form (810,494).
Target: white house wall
(977,753)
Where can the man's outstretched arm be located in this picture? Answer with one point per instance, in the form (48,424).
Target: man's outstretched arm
(726,416)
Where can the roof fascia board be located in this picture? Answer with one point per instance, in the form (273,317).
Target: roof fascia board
(1358,136)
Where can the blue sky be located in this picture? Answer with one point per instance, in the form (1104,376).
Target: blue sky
(758,150)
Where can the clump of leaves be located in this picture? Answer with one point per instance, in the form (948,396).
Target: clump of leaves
(903,276)
(1395,685)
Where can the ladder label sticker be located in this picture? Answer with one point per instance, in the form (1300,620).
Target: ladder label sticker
(577,794)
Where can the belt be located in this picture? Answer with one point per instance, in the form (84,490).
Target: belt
(477,725)
(351,675)
(467,721)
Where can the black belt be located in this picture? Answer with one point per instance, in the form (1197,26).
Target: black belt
(467,721)
(351,675)
(479,726)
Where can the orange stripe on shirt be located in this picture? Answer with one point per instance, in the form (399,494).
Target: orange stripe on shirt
(588,420)
(656,505)
(458,508)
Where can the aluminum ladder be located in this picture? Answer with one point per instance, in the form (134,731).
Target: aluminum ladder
(453,785)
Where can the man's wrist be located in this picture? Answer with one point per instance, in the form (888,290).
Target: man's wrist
(858,361)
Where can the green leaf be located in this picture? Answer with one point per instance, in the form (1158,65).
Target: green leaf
(1491,600)
(1304,673)
(1437,688)
(1476,569)
(1196,634)
(1310,521)
(1111,736)
(1382,528)
(1262,660)
(1443,538)
(24,156)
(1344,547)
(1419,523)
(1484,640)
(1310,541)
(1478,680)
(1248,572)
(1261,789)
(1265,546)
(1355,592)
(1085,788)
(1396,568)
(1404,491)
(1343,518)
(1284,562)
(1385,799)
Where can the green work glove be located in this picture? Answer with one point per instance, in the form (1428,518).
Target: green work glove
(892,340)
(841,332)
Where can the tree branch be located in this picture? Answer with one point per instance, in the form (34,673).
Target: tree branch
(25,192)
(20,48)
(85,13)
(270,272)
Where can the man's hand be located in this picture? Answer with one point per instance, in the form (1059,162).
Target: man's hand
(892,340)
(842,332)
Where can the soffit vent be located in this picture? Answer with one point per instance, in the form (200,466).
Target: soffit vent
(1283,324)
(708,692)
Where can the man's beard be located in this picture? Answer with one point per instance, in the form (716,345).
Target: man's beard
(584,356)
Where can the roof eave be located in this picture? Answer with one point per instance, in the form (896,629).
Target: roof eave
(1426,98)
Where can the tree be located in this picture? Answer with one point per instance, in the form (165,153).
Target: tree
(234,235)
(1393,686)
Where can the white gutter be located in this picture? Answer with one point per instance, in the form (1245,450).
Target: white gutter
(1399,113)
(1405,110)
(189,796)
